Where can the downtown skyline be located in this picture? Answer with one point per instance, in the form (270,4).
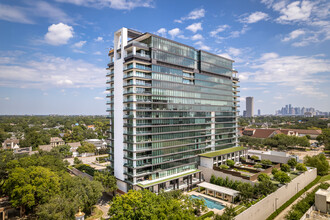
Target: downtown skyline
(54,53)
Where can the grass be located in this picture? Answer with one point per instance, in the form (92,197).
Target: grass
(324,178)
(96,214)
(293,198)
(168,179)
(239,209)
(223,151)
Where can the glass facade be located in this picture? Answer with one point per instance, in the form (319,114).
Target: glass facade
(180,103)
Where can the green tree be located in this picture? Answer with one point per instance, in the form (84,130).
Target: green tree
(285,168)
(301,167)
(265,187)
(86,148)
(64,150)
(108,181)
(229,214)
(257,166)
(282,177)
(324,138)
(76,161)
(274,170)
(263,177)
(32,186)
(292,162)
(58,208)
(3,135)
(319,161)
(144,204)
(230,163)
(246,191)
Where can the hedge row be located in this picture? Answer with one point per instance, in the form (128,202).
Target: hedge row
(299,209)
(208,214)
(293,198)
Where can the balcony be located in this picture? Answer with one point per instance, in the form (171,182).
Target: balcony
(136,44)
(139,55)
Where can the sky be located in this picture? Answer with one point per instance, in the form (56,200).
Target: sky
(53,54)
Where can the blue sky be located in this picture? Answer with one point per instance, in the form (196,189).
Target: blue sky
(53,54)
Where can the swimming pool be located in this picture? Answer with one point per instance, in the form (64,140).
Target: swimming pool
(211,204)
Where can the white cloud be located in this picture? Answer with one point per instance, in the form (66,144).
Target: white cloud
(115,4)
(195,27)
(197,37)
(59,34)
(14,14)
(294,34)
(43,71)
(234,51)
(219,29)
(79,44)
(225,55)
(202,46)
(193,15)
(162,32)
(7,98)
(174,32)
(296,11)
(98,98)
(99,39)
(300,73)
(254,17)
(97,53)
(27,13)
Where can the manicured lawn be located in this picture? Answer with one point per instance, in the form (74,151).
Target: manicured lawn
(221,152)
(239,209)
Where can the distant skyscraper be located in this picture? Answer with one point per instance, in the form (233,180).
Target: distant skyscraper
(249,106)
(259,112)
(244,113)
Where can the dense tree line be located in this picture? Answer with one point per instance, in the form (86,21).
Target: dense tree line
(41,184)
(37,130)
(297,122)
(144,204)
(280,141)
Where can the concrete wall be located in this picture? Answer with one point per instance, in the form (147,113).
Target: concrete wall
(321,201)
(269,204)
(207,173)
(273,158)
(206,162)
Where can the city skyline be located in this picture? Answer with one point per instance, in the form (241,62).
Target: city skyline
(55,52)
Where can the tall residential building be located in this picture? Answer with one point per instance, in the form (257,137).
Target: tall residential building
(249,107)
(168,103)
(259,112)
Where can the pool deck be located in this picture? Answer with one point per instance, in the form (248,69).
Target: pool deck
(216,211)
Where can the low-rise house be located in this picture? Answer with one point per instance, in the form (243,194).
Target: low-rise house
(24,150)
(10,143)
(270,132)
(99,144)
(56,141)
(74,146)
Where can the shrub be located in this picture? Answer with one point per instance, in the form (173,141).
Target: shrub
(206,215)
(292,162)
(224,166)
(254,157)
(266,162)
(243,158)
(76,161)
(301,167)
(230,163)
(282,177)
(274,170)
(263,177)
(285,168)
(257,166)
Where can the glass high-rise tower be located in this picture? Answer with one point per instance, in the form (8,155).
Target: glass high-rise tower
(168,103)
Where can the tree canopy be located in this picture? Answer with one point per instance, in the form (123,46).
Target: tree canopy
(144,204)
(319,161)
